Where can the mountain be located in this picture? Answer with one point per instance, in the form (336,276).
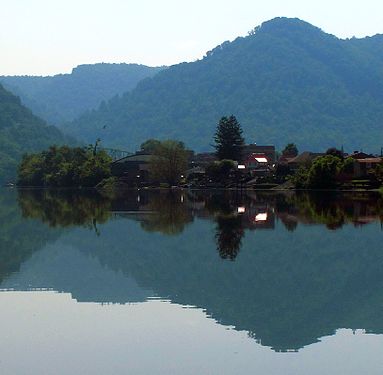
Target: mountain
(21,132)
(63,97)
(287,81)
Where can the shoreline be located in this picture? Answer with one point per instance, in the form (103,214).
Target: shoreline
(380,190)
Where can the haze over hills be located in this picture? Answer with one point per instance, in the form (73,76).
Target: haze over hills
(22,132)
(287,81)
(63,97)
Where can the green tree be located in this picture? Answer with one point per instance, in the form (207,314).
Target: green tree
(376,174)
(64,167)
(228,139)
(322,174)
(219,171)
(291,150)
(324,171)
(169,162)
(150,145)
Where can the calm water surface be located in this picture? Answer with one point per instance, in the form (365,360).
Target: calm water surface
(190,283)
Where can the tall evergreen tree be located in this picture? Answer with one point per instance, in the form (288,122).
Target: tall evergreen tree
(228,139)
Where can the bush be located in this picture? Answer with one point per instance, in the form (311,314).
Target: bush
(219,171)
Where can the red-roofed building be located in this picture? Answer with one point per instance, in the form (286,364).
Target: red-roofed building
(257,164)
(269,151)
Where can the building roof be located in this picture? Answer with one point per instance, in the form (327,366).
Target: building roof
(259,157)
(285,159)
(260,147)
(261,160)
(204,157)
(142,158)
(360,155)
(370,160)
(305,157)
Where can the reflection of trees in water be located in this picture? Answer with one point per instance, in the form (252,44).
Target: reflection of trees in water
(170,213)
(290,223)
(229,234)
(64,208)
(19,238)
(331,209)
(229,230)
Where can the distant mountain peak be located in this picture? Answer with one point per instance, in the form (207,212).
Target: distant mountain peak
(283,25)
(286,21)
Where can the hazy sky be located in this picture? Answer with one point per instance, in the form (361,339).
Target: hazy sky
(45,37)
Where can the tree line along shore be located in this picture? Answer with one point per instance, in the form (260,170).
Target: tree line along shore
(233,164)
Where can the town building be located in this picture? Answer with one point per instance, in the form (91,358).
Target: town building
(132,169)
(362,167)
(257,164)
(268,151)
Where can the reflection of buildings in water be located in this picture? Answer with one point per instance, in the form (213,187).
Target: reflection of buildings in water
(257,210)
(362,213)
(258,217)
(253,214)
(130,203)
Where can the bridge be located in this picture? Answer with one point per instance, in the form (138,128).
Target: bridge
(116,154)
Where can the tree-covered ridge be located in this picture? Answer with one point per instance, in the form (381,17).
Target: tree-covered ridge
(21,132)
(63,97)
(286,82)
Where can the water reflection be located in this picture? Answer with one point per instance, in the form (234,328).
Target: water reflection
(295,278)
(65,208)
(169,215)
(169,212)
(229,233)
(18,238)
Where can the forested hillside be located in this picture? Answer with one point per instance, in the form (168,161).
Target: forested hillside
(63,97)
(21,132)
(287,81)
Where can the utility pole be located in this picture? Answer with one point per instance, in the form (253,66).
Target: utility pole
(95,146)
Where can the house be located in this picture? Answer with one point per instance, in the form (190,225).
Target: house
(303,160)
(257,164)
(357,155)
(363,166)
(268,151)
(202,159)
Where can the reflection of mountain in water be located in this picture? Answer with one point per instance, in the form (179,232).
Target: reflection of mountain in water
(65,269)
(287,289)
(19,238)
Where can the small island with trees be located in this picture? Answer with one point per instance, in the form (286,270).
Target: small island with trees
(233,165)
